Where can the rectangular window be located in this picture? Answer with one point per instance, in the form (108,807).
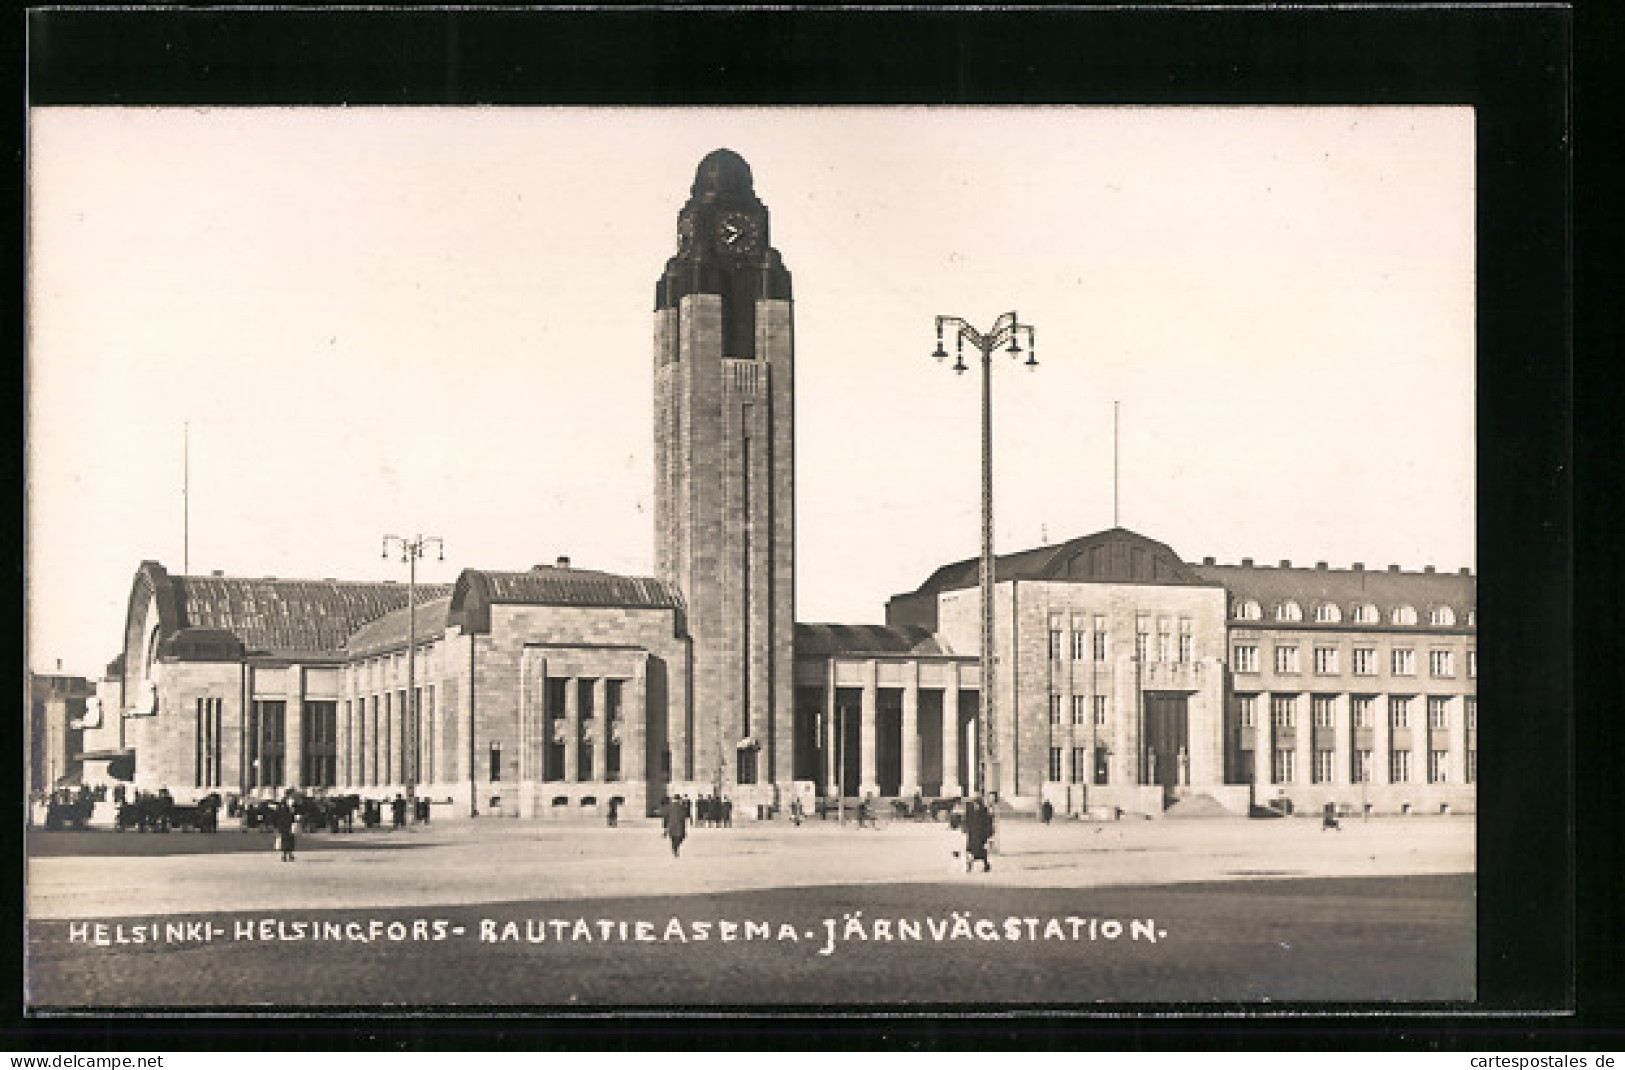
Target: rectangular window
(1325,710)
(1102,766)
(1080,642)
(1472,664)
(1055,711)
(1399,767)
(1142,640)
(1399,711)
(1100,638)
(613,723)
(1472,765)
(1441,663)
(1283,710)
(1187,641)
(207,770)
(1438,711)
(1055,644)
(1438,762)
(267,721)
(1246,711)
(1365,661)
(1165,645)
(1404,661)
(1362,711)
(1325,762)
(1469,705)
(1055,765)
(1360,766)
(1080,765)
(1326,661)
(496,762)
(1245,658)
(1281,767)
(318,755)
(1286,660)
(1100,711)
(1080,711)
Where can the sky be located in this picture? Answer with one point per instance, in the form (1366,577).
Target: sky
(259,340)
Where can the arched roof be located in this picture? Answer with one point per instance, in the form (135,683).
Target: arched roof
(1116,555)
(477,590)
(270,616)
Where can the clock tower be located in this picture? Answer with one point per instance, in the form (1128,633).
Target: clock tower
(724,483)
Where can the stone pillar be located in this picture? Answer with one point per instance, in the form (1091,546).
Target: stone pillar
(910,741)
(1342,734)
(635,765)
(572,729)
(869,776)
(600,714)
(1380,737)
(832,775)
(950,732)
(293,729)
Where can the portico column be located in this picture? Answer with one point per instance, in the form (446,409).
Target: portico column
(910,741)
(600,714)
(950,732)
(572,729)
(871,687)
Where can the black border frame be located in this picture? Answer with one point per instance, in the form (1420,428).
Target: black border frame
(1513,64)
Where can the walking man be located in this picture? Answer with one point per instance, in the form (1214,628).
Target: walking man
(676,826)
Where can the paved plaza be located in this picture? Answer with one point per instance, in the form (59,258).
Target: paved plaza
(1233,910)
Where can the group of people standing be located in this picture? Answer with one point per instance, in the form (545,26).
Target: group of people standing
(715,811)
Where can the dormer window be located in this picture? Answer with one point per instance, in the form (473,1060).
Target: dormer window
(1365,613)
(1404,615)
(1328,613)
(1288,611)
(1247,609)
(1441,616)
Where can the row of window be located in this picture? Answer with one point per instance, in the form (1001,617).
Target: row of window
(371,672)
(1283,767)
(1327,661)
(1088,766)
(1080,710)
(1362,711)
(1290,612)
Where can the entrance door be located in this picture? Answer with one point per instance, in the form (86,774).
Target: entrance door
(1167,737)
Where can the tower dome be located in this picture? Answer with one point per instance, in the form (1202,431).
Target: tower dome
(724,173)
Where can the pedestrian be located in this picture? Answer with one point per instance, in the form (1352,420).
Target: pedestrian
(1328,818)
(614,815)
(284,832)
(727,812)
(1046,811)
(676,828)
(795,811)
(978,831)
(397,811)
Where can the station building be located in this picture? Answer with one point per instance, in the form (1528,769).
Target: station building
(1126,677)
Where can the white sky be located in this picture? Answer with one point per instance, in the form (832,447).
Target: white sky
(439,320)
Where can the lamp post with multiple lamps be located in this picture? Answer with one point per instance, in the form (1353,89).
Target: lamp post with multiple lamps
(411,549)
(1006,332)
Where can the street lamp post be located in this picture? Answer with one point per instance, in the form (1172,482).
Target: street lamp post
(1006,332)
(411,549)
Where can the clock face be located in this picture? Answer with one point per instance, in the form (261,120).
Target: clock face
(738,232)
